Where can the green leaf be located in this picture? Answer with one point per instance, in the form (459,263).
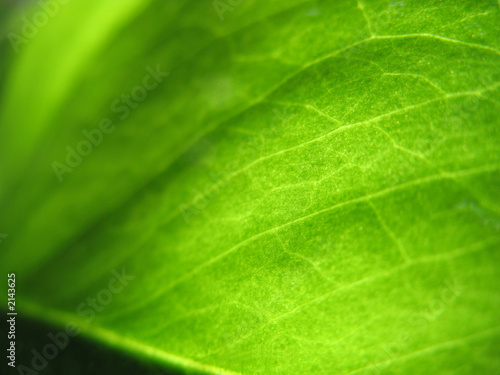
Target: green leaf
(313,189)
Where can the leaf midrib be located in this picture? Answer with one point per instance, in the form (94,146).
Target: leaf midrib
(115,341)
(173,361)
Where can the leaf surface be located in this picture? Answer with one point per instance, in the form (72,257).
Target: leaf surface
(313,189)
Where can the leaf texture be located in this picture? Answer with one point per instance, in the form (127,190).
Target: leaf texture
(313,189)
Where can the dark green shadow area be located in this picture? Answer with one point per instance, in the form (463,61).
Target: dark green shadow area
(79,357)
